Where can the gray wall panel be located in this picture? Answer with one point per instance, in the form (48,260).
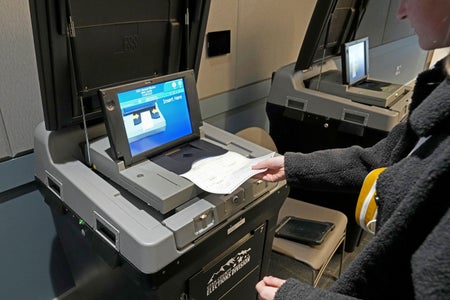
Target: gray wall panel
(373,23)
(5,149)
(396,29)
(20,101)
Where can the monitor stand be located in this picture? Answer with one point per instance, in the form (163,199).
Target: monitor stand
(181,158)
(373,92)
(373,85)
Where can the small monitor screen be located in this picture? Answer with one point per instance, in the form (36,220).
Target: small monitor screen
(147,117)
(145,110)
(355,65)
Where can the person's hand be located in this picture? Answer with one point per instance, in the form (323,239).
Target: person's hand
(275,169)
(268,286)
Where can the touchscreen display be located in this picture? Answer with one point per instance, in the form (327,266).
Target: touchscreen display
(155,115)
(355,61)
(147,117)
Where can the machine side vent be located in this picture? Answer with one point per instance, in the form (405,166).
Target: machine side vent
(296,103)
(54,185)
(107,231)
(355,117)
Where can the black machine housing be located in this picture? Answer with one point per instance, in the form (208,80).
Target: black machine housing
(82,46)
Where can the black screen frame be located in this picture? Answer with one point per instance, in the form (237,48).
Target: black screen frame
(345,61)
(62,53)
(114,122)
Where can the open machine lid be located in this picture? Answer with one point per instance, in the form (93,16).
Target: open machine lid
(333,23)
(84,45)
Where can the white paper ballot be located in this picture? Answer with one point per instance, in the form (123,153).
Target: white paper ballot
(224,173)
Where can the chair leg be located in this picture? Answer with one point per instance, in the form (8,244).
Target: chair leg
(341,263)
(315,278)
(317,274)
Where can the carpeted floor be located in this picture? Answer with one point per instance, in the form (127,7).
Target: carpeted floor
(285,267)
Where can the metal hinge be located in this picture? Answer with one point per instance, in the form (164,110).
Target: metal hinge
(71,28)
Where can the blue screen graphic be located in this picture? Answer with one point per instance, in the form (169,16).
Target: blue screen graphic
(155,115)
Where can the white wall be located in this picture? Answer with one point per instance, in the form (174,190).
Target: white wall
(265,35)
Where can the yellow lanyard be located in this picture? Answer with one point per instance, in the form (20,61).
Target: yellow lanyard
(366,208)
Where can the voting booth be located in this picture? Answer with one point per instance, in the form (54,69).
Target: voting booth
(327,99)
(122,128)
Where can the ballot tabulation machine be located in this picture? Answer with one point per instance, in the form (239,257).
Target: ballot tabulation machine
(122,122)
(326,99)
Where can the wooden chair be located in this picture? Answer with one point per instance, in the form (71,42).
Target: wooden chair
(316,257)
(258,136)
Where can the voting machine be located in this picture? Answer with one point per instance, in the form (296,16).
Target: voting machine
(122,123)
(327,98)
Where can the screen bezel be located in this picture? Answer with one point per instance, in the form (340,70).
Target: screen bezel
(116,128)
(345,59)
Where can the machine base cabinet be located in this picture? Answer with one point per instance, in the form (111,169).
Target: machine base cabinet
(225,264)
(232,273)
(294,130)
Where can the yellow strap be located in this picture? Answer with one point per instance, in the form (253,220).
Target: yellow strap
(366,208)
